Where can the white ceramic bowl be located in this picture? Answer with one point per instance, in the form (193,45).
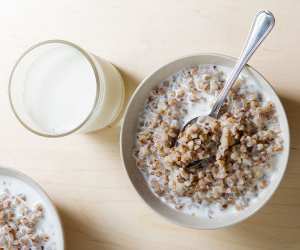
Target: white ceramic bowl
(128,135)
(18,182)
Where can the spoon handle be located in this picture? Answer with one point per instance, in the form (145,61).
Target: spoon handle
(261,27)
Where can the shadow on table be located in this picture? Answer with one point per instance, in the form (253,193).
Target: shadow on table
(277,225)
(130,82)
(80,235)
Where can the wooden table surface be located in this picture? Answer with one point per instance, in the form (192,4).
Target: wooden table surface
(83,174)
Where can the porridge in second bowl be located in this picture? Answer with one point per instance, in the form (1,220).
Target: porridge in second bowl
(28,221)
(237,150)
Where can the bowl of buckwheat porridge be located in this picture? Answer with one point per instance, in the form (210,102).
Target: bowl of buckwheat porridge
(243,153)
(28,219)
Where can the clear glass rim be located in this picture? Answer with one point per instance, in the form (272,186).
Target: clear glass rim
(97,96)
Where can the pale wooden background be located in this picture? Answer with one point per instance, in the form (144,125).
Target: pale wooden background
(83,173)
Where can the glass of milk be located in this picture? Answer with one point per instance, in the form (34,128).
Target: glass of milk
(56,88)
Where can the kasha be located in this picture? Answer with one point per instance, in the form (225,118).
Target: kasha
(238,147)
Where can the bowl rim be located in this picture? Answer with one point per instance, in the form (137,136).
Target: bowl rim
(36,186)
(287,139)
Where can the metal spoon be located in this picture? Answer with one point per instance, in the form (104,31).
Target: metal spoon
(262,25)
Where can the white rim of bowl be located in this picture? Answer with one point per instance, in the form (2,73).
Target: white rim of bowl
(285,163)
(97,96)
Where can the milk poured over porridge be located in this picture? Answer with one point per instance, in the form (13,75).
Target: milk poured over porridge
(25,220)
(236,151)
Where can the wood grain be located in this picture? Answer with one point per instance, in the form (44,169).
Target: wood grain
(83,173)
